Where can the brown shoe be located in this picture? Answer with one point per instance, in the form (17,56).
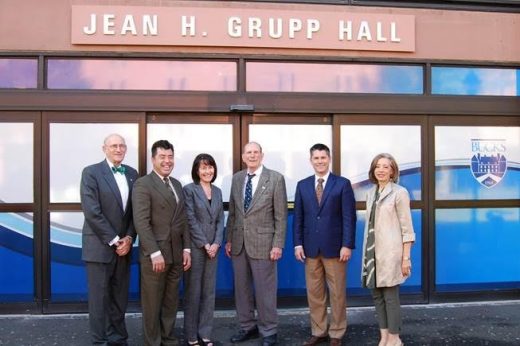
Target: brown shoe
(314,340)
(335,342)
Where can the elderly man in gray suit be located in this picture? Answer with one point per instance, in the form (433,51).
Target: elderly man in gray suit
(107,238)
(160,221)
(256,229)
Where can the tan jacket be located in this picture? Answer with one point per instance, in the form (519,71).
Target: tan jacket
(264,224)
(393,227)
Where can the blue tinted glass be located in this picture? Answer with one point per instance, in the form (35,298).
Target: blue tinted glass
(18,73)
(458,182)
(361,143)
(467,239)
(16,255)
(477,162)
(68,272)
(475,81)
(334,78)
(114,74)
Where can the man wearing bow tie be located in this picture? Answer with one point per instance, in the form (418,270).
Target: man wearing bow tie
(108,235)
(256,228)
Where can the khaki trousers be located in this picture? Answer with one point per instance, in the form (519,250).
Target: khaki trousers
(322,274)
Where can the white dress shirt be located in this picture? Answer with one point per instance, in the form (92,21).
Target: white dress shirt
(254,180)
(122,184)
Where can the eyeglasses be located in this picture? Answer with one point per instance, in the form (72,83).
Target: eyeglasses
(117,146)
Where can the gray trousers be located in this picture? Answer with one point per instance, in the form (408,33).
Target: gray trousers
(388,308)
(199,295)
(107,299)
(256,281)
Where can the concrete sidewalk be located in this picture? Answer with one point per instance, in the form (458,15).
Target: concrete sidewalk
(486,323)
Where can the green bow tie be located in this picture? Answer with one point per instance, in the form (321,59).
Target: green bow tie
(119,169)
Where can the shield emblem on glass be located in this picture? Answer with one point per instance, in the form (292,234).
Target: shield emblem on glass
(488,164)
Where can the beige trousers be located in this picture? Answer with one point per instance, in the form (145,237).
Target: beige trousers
(322,274)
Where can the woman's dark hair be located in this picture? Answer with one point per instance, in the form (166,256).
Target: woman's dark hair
(203,159)
(394,177)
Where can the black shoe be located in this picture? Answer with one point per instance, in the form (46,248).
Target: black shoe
(269,340)
(244,335)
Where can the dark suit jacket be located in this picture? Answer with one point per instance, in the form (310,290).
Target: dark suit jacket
(264,224)
(103,210)
(206,220)
(323,229)
(159,220)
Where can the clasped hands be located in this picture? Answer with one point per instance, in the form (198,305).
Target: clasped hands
(211,250)
(123,246)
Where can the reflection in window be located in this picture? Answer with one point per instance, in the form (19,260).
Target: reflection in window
(486,237)
(334,78)
(16,141)
(361,143)
(141,74)
(18,73)
(286,149)
(477,162)
(16,256)
(68,155)
(475,81)
(188,141)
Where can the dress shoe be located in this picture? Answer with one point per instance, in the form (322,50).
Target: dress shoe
(335,342)
(269,340)
(244,335)
(315,340)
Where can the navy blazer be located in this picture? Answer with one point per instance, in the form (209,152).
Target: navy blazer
(324,229)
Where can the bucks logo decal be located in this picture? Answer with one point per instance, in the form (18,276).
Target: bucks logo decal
(488,163)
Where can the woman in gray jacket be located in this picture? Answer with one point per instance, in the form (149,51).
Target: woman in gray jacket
(387,242)
(205,213)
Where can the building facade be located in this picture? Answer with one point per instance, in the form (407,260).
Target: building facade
(436,84)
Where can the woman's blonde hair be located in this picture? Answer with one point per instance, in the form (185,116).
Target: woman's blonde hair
(394,177)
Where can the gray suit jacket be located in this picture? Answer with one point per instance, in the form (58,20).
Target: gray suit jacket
(206,220)
(103,211)
(264,224)
(159,220)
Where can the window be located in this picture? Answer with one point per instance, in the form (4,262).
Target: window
(18,73)
(475,81)
(114,74)
(334,78)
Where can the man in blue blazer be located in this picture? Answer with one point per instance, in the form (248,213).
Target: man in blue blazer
(108,234)
(324,236)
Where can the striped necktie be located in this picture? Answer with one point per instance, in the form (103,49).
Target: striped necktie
(249,191)
(369,266)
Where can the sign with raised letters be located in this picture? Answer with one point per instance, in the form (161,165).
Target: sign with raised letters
(236,26)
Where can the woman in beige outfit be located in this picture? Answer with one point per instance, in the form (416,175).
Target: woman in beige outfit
(387,242)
